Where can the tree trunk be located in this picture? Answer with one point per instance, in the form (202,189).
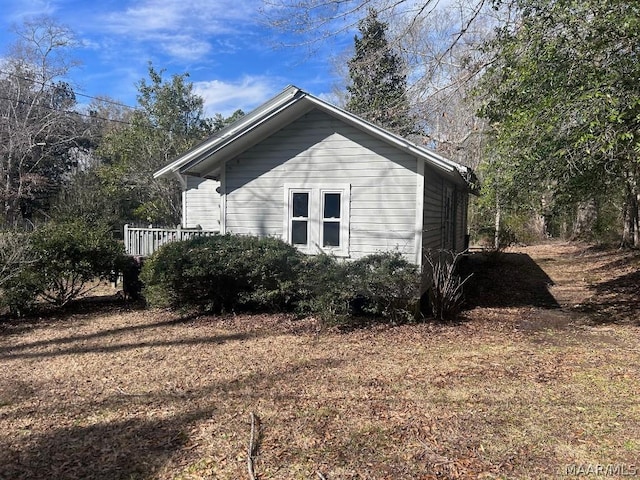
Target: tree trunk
(586,216)
(496,237)
(636,221)
(631,214)
(538,225)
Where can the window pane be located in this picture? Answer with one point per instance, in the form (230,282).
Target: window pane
(299,232)
(331,205)
(331,234)
(301,205)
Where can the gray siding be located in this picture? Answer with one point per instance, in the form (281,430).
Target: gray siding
(432,225)
(462,204)
(433,233)
(322,150)
(202,204)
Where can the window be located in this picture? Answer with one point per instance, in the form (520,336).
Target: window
(300,218)
(331,219)
(316,218)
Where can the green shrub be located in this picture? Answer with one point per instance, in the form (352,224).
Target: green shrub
(223,273)
(382,285)
(235,272)
(69,255)
(387,285)
(15,253)
(20,292)
(326,289)
(17,282)
(63,258)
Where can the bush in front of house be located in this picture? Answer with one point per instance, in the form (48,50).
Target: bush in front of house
(226,273)
(326,289)
(223,273)
(61,261)
(388,286)
(384,286)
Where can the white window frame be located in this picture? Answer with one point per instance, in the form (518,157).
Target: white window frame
(316,217)
(308,218)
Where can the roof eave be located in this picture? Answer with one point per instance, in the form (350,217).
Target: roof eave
(231,134)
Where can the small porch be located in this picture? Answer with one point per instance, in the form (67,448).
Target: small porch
(144,241)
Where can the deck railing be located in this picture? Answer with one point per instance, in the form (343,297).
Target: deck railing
(140,241)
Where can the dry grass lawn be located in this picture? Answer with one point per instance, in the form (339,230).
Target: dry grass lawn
(539,379)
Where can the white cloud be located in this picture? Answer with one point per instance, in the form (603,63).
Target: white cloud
(18,11)
(185,47)
(197,17)
(182,29)
(245,93)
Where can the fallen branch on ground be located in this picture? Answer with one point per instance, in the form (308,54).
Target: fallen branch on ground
(253,445)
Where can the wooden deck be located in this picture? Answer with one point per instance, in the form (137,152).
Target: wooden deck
(142,242)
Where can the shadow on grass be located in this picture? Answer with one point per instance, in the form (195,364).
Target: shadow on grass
(13,350)
(134,448)
(137,447)
(615,301)
(46,314)
(507,280)
(100,348)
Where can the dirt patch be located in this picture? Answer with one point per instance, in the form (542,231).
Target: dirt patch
(527,385)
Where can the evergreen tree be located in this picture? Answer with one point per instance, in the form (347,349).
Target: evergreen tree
(378,89)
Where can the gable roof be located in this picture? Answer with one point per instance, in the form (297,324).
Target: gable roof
(205,159)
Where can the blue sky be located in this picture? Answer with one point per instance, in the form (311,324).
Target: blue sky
(233,58)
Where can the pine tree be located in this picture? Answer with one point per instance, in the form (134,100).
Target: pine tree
(378,89)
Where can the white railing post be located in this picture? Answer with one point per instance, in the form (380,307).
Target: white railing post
(127,243)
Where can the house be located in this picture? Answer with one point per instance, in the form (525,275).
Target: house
(323,179)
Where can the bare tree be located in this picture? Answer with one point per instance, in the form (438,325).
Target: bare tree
(447,57)
(37,128)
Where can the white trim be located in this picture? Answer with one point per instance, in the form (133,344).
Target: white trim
(233,130)
(345,200)
(419,211)
(283,101)
(288,217)
(223,200)
(228,139)
(315,216)
(185,220)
